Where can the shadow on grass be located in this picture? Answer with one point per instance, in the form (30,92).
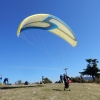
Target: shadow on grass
(61,90)
(56,89)
(16,86)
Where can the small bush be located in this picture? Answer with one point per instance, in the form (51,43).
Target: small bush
(75,79)
(90,81)
(46,80)
(36,83)
(97,80)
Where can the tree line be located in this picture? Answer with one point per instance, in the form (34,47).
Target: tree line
(91,69)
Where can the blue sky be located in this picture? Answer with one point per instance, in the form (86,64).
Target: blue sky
(19,59)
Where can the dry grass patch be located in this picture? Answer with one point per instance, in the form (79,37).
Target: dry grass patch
(79,91)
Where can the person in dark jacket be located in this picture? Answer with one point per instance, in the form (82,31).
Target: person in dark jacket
(6,81)
(61,78)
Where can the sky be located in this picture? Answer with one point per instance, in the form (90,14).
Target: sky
(44,53)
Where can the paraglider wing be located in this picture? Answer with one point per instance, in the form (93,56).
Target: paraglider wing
(50,23)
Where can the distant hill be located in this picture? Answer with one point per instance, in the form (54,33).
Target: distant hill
(87,78)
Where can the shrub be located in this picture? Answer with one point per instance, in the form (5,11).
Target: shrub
(97,80)
(46,80)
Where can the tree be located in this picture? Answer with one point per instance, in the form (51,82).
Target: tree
(46,80)
(19,81)
(91,69)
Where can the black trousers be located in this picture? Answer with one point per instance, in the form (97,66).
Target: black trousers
(66,84)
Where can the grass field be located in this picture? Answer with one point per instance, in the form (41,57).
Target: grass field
(79,91)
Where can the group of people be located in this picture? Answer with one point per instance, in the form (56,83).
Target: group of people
(66,79)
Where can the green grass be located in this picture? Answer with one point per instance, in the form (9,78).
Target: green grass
(79,91)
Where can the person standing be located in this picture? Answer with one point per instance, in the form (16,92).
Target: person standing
(61,78)
(66,82)
(0,79)
(42,79)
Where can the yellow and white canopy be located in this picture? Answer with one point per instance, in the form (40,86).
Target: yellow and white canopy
(50,23)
